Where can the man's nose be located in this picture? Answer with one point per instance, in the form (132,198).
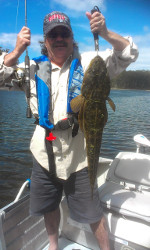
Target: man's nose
(59,38)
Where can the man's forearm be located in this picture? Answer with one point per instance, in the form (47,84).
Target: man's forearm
(118,42)
(11,59)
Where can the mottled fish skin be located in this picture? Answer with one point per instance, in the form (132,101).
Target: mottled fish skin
(93,112)
(96,81)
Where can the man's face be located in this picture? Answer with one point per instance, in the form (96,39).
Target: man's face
(59,44)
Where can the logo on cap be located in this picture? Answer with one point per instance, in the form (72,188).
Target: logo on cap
(57,16)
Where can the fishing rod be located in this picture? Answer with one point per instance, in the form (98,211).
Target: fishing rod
(27,73)
(95,34)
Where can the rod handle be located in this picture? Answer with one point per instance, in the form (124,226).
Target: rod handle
(95,9)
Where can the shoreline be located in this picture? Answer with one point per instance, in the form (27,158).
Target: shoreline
(11,89)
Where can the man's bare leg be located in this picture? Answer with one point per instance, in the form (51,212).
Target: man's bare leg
(52,221)
(100,230)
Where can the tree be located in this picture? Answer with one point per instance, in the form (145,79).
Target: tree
(6,50)
(139,79)
(3,50)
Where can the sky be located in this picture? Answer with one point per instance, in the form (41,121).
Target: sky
(126,17)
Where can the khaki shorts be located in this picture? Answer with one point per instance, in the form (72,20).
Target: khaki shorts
(46,194)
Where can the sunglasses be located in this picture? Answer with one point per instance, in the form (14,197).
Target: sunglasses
(63,33)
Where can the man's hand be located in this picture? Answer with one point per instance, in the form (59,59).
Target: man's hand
(23,40)
(97,23)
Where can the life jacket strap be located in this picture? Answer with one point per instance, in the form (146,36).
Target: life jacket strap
(66,123)
(51,159)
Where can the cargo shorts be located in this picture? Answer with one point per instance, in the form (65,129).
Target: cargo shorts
(46,194)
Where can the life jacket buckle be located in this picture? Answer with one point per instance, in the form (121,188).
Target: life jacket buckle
(64,124)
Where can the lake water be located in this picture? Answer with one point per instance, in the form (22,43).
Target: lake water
(132,116)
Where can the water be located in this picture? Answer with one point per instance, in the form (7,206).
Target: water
(15,133)
(132,116)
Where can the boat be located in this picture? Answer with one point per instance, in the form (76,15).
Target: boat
(124,189)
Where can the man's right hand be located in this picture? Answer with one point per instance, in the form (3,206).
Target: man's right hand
(23,40)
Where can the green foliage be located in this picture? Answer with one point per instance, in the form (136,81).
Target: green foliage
(139,79)
(6,50)
(3,50)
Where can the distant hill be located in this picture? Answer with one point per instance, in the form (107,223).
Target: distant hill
(138,79)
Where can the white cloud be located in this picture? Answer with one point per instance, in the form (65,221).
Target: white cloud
(35,42)
(8,40)
(82,26)
(146,28)
(143,40)
(143,61)
(80,6)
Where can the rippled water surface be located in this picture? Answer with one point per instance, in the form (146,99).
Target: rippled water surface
(15,133)
(132,116)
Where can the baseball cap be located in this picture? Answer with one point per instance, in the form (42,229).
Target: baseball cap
(55,19)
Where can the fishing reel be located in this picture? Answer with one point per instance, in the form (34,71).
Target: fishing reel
(22,81)
(19,79)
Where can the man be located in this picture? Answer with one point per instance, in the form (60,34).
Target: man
(59,159)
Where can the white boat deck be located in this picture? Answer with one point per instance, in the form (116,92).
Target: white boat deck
(65,244)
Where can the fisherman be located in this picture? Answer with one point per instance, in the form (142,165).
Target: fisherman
(58,146)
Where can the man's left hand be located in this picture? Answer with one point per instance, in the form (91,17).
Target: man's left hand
(97,23)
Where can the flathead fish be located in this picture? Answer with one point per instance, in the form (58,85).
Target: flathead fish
(91,105)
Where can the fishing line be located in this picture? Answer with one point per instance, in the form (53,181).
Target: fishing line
(17,16)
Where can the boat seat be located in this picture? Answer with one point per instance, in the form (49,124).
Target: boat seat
(127,187)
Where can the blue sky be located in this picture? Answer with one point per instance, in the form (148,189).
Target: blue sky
(126,17)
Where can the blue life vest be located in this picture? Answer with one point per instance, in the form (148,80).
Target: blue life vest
(42,78)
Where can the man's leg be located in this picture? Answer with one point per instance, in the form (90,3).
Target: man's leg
(45,197)
(84,208)
(100,230)
(52,220)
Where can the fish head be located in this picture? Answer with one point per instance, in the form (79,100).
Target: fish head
(96,79)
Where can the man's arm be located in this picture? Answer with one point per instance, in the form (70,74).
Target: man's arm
(8,61)
(98,25)
(23,40)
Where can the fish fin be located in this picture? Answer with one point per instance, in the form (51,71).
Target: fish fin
(111,103)
(76,103)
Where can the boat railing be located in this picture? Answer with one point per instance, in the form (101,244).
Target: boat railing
(22,189)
